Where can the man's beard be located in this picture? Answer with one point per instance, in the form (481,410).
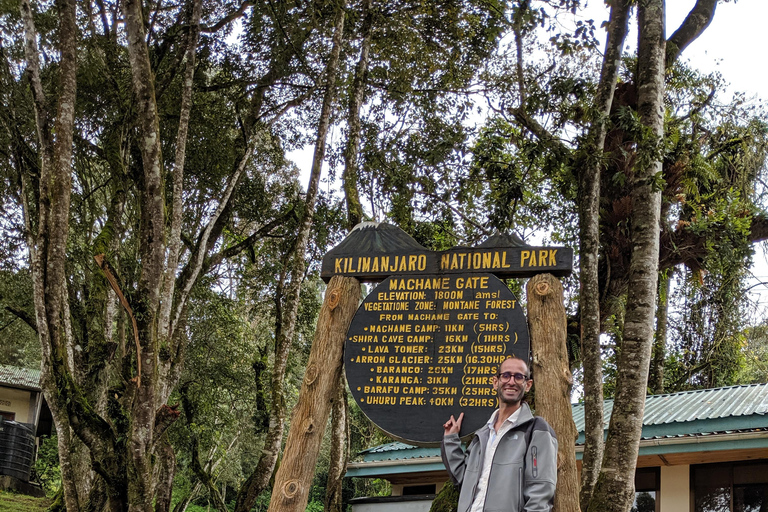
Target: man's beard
(510,401)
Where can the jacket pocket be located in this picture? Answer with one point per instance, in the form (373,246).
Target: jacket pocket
(504,488)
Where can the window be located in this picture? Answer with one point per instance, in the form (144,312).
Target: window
(730,487)
(417,490)
(646,490)
(8,416)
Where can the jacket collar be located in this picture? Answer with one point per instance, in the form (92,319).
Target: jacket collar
(525,416)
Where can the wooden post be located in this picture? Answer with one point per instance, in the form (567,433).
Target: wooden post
(553,380)
(294,476)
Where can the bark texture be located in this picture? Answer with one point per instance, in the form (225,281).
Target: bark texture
(656,377)
(589,245)
(614,491)
(552,375)
(152,254)
(294,477)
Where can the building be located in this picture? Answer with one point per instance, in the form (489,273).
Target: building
(24,417)
(700,451)
(21,397)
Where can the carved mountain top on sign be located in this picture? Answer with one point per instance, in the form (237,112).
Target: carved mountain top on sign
(377,238)
(502,240)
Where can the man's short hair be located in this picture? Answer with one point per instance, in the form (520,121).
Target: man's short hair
(526,363)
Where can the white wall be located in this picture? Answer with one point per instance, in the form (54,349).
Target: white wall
(675,492)
(17,401)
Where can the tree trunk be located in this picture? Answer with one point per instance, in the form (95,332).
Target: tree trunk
(615,487)
(166,470)
(589,242)
(288,311)
(357,94)
(656,377)
(47,246)
(552,375)
(294,477)
(339,448)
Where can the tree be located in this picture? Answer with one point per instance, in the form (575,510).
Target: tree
(614,489)
(633,145)
(109,369)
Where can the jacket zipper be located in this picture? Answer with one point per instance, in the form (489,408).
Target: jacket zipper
(519,479)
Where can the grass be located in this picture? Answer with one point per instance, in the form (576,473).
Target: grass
(11,502)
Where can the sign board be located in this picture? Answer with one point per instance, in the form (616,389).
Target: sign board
(421,348)
(372,252)
(426,342)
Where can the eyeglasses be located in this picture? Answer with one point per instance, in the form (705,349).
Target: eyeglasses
(519,377)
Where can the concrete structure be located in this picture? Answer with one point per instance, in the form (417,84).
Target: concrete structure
(700,451)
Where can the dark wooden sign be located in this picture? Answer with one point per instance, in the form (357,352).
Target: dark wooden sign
(374,251)
(421,348)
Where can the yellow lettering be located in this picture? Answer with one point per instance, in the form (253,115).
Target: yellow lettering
(552,260)
(524,255)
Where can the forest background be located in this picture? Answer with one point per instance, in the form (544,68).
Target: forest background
(160,253)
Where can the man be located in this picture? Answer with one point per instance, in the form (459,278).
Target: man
(511,464)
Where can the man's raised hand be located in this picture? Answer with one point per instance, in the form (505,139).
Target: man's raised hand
(453,426)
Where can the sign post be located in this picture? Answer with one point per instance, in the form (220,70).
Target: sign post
(422,346)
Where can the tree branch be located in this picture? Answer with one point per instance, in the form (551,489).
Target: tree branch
(23,315)
(685,247)
(533,126)
(195,263)
(113,282)
(694,24)
(177,175)
(229,18)
(248,242)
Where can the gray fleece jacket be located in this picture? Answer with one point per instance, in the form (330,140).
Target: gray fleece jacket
(523,471)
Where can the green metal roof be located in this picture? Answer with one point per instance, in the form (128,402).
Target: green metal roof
(672,419)
(22,378)
(701,412)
